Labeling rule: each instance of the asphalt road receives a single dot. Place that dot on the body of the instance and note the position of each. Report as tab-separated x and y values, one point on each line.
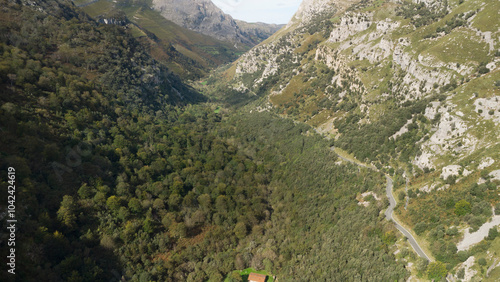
388	215
390	210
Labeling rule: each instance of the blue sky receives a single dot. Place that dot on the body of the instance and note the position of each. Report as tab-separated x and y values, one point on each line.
267	11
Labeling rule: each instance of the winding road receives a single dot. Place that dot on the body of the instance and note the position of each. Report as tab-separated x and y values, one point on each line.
389	215
390	210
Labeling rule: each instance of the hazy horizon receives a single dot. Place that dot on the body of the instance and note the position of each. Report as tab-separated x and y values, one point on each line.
266	11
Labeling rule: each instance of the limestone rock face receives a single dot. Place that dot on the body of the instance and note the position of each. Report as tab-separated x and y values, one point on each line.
205	17
309	9
356	61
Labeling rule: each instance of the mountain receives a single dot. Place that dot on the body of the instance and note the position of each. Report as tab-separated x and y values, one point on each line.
191	37
205	17
409	86
258	32
188	54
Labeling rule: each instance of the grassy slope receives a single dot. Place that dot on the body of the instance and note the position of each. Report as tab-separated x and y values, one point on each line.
206	52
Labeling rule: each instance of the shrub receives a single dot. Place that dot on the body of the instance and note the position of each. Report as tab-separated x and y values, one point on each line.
463	255
483	70
452	231
420	228
462	207
436	270
493	233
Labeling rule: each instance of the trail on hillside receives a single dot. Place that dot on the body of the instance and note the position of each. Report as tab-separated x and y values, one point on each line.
476	237
390	210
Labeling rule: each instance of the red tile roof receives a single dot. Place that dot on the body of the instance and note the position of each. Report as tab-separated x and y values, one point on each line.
255	277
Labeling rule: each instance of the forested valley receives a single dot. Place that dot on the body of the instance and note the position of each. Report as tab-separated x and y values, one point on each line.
126	173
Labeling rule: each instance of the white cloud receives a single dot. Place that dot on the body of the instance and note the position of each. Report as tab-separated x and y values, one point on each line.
268	11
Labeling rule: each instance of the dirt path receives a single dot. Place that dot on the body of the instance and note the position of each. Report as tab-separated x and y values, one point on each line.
476	237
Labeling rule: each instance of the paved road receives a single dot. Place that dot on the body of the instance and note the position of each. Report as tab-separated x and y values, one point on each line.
390	210
388	215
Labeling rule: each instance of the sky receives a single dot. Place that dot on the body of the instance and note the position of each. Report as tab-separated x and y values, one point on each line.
266	11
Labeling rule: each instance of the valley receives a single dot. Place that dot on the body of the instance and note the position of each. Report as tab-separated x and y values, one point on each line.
167	141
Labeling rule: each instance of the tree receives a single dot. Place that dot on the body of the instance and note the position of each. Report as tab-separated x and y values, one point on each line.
240	230
436	270
462	207
66	213
205	202
113	203
135	205
493	233
85	191
422	264
401	195
235	277
178	230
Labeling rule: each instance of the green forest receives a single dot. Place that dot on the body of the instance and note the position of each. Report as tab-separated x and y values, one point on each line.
124	172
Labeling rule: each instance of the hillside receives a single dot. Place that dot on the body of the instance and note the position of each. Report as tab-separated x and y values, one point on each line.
412	88
188	54
190	38
258	32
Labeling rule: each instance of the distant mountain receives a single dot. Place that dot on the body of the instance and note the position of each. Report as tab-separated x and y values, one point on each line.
258	31
205	17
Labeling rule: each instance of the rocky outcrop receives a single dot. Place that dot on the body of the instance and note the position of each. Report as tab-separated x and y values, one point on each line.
310	9
113	21
488	108
350	24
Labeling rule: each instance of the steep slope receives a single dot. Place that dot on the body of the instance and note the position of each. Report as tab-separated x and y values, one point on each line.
189	54
205	17
411	87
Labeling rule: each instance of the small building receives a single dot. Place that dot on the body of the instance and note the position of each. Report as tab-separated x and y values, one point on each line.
255	277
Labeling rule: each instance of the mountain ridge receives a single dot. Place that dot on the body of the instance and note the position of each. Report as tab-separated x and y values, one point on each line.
205	17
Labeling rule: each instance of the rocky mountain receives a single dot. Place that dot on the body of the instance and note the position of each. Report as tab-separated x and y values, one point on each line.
205	17
192	37
412	87
189	54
